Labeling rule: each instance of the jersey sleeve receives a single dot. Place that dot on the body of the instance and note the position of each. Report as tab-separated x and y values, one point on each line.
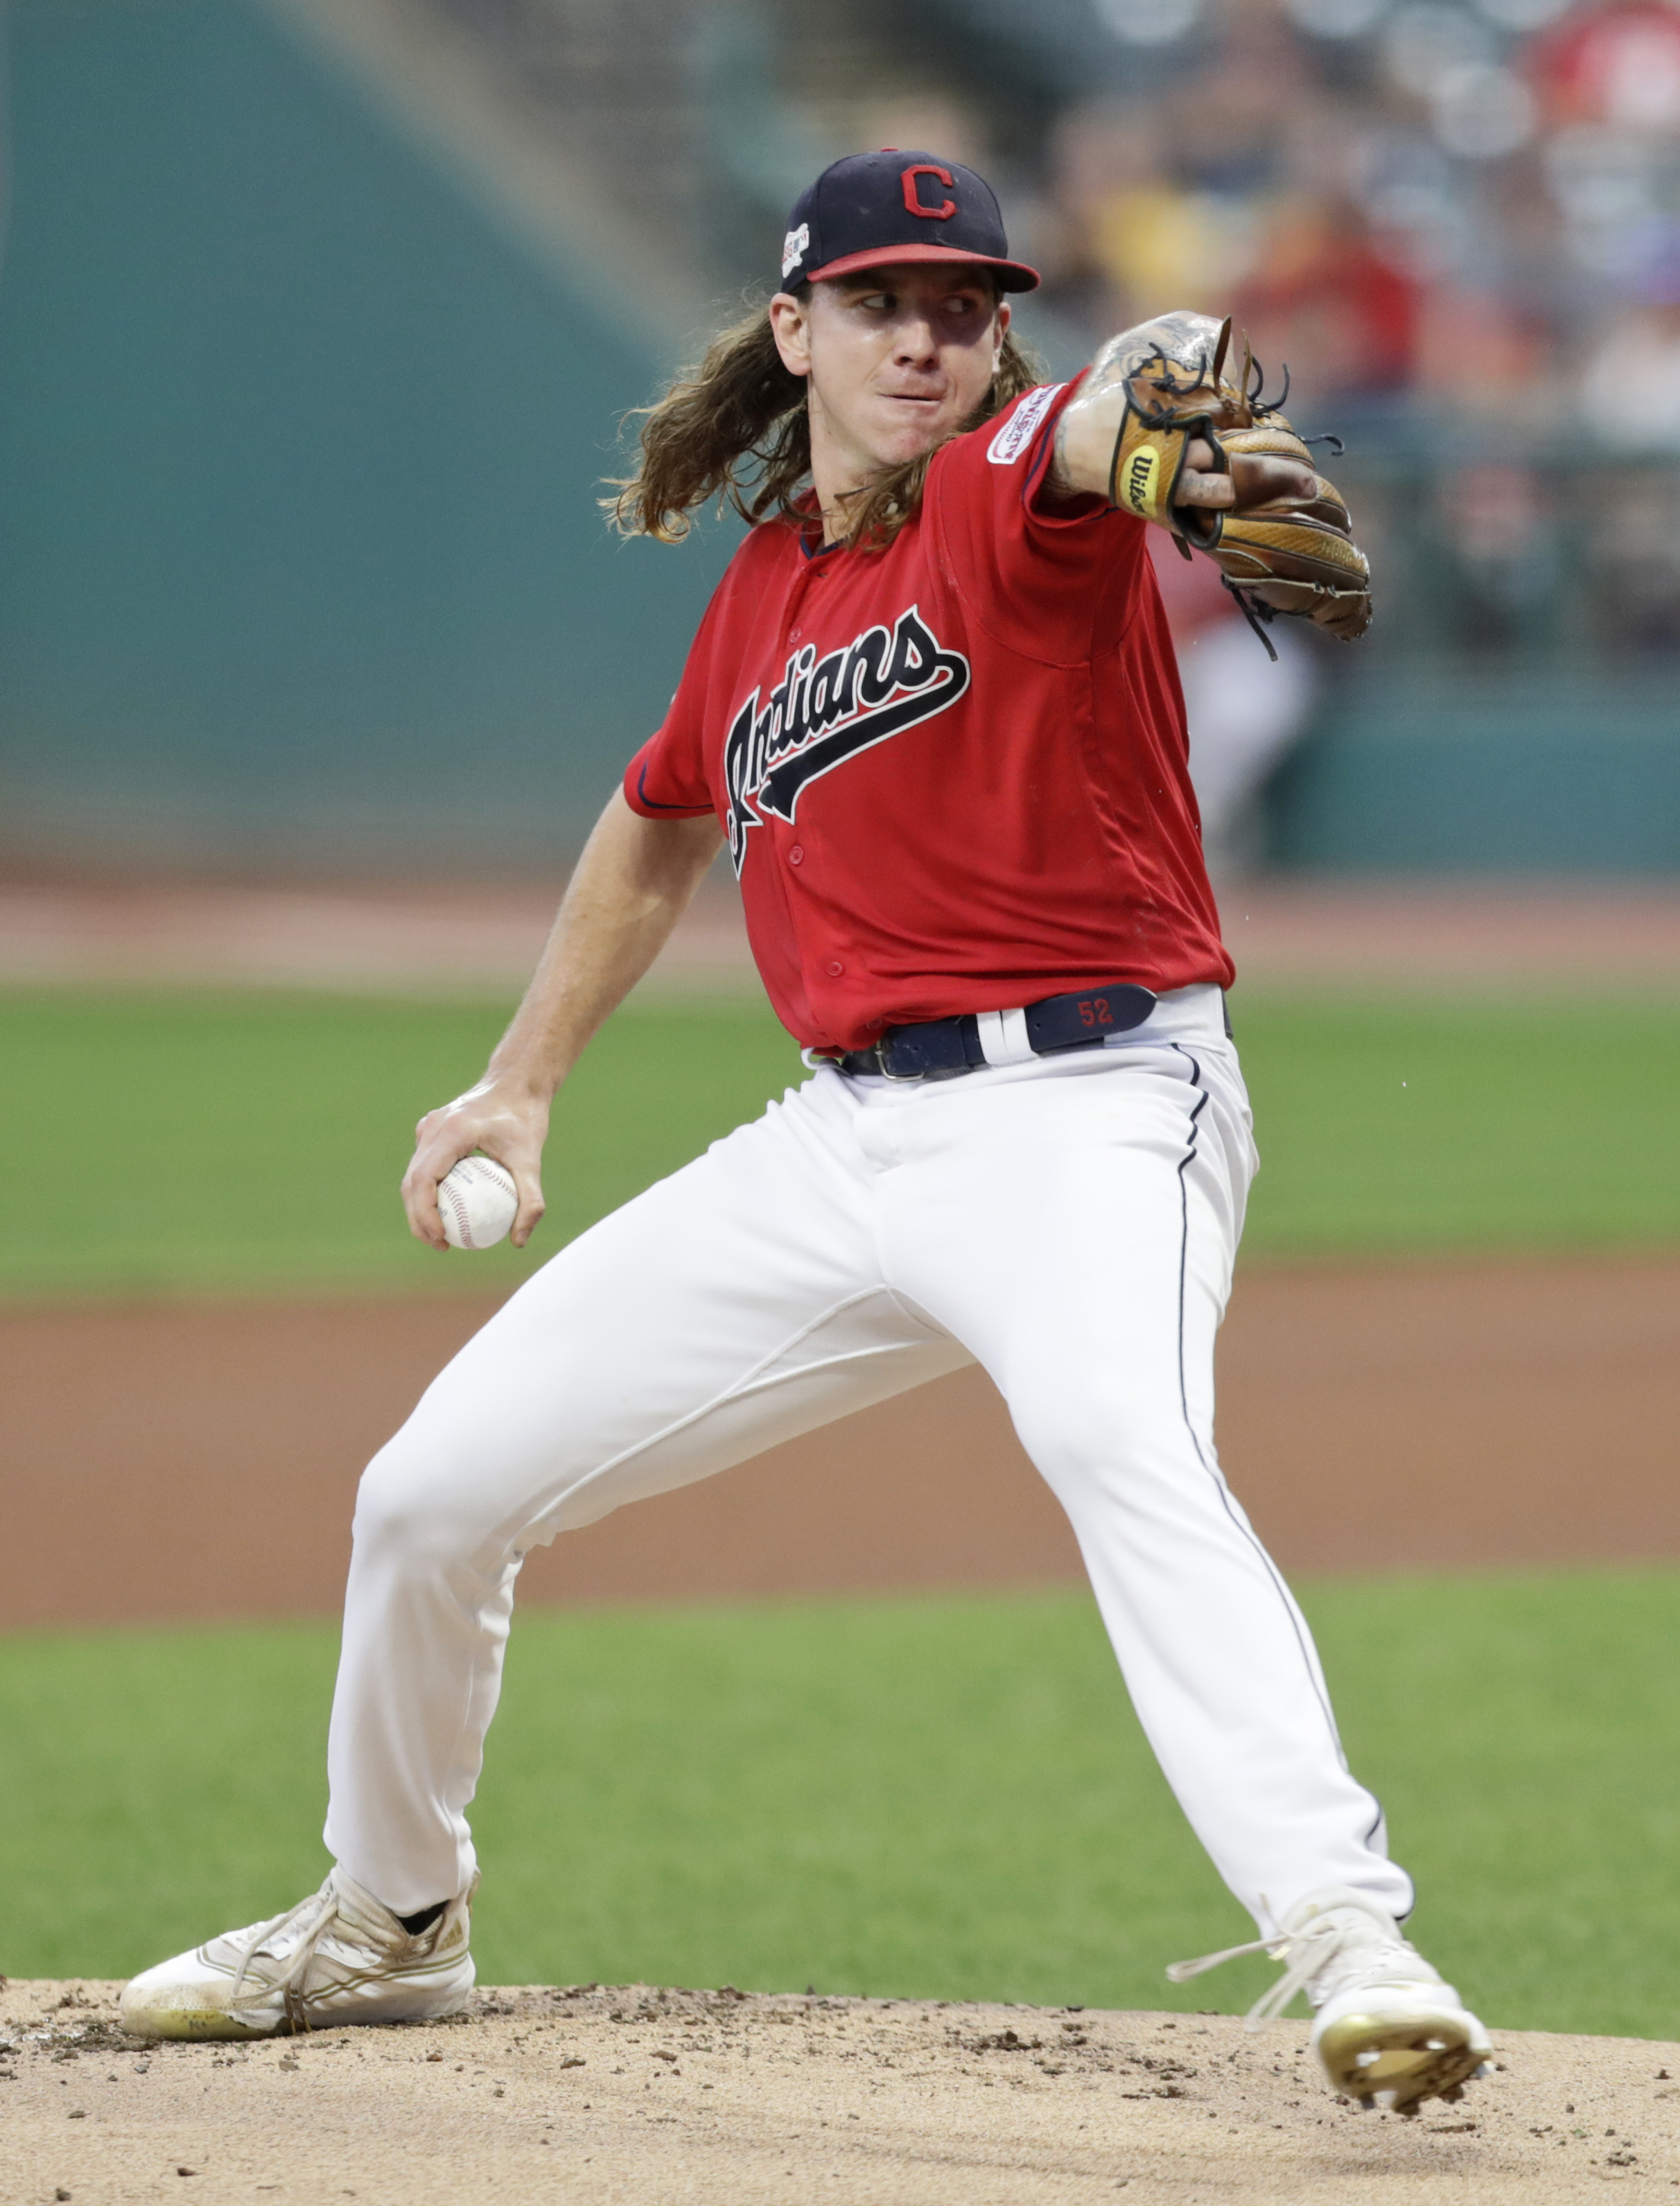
1045	574
667	779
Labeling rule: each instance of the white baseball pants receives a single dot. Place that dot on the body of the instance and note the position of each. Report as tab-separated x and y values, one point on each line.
1070	1223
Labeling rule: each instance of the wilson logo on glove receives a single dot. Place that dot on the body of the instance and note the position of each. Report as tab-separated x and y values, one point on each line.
1142	470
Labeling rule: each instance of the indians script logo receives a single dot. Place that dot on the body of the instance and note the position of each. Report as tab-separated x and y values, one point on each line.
823	711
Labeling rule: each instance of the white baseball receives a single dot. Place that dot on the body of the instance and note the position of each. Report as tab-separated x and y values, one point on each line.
477	1202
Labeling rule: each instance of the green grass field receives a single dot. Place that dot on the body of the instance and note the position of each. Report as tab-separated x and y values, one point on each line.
190	1141
187	1141
939	1797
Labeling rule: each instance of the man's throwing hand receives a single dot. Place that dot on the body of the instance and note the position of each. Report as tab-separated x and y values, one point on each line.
504	1119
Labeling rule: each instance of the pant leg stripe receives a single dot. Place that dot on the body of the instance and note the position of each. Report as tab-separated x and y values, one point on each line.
1270	1567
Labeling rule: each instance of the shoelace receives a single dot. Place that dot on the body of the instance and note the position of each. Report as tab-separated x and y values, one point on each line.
289	1984
1308	1950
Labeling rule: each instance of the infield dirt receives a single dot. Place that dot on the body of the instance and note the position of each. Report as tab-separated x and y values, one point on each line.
636	2095
172	1462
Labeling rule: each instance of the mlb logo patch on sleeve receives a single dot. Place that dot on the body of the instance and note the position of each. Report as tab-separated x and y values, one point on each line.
1017	432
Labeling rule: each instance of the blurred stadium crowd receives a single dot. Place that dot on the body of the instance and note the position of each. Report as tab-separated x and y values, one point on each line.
1457	221
1461	229
278	272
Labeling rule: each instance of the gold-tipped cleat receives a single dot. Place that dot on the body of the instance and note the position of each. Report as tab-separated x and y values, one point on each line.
1387	2032
1397	2060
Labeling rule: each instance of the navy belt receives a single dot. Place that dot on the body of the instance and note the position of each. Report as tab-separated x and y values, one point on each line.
940	1049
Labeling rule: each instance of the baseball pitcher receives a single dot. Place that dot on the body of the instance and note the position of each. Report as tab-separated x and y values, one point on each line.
933	710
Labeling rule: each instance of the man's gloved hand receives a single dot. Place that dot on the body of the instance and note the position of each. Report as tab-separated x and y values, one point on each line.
1208	459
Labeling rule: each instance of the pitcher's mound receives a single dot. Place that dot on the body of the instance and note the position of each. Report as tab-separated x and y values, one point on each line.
639	2096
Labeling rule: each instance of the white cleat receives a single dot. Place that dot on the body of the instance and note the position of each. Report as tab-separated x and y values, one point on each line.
337	1957
1387	2030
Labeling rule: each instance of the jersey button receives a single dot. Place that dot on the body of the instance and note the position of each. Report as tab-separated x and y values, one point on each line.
797	855
834	968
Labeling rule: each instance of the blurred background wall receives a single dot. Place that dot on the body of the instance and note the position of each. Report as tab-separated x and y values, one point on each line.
318	319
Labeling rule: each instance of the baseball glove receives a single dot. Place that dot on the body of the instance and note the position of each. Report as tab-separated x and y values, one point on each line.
1286	556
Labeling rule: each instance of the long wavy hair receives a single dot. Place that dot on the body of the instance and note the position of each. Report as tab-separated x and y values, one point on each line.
735	430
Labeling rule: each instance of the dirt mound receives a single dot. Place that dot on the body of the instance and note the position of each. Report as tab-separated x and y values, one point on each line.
636	2095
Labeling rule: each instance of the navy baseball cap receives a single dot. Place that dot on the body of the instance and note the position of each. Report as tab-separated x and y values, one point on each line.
873	209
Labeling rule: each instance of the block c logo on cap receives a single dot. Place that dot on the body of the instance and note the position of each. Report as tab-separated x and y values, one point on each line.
912	199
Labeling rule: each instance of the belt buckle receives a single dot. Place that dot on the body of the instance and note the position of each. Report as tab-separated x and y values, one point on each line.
856	1062
899	1079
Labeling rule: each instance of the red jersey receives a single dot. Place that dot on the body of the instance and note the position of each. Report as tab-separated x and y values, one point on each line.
953	772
